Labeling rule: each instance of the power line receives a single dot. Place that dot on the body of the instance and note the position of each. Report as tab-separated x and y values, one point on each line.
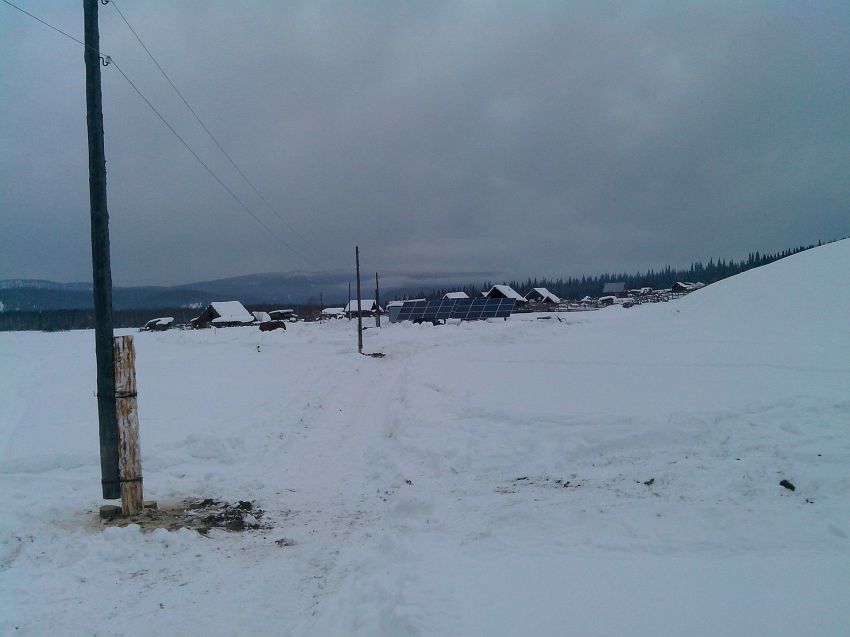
210	171
67	35
108	60
207	130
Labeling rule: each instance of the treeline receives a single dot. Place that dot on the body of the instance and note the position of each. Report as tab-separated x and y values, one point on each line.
579	287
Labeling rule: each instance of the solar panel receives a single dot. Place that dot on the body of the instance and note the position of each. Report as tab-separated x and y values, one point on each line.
443	309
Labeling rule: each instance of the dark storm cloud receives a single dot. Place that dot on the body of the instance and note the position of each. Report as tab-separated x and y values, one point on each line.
525	138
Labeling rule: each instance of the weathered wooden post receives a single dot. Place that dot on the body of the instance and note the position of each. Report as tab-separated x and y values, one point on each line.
377	302
359	307
129	449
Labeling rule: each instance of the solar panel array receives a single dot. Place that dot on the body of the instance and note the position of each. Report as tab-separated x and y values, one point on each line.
443	309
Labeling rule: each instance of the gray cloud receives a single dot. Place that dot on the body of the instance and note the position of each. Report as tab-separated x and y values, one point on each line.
524	138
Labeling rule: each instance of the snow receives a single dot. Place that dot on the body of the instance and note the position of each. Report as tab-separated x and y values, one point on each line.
608	473
455	295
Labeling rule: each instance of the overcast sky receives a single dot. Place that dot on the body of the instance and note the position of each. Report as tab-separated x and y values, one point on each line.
524	138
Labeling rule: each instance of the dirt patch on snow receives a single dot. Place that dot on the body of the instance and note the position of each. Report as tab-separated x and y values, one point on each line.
199	515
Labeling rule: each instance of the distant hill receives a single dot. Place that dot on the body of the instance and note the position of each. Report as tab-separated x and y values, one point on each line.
294	288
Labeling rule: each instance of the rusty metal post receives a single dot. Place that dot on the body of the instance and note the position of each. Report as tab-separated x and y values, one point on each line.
129	449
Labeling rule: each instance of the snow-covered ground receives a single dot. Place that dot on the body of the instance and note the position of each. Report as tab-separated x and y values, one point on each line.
601	473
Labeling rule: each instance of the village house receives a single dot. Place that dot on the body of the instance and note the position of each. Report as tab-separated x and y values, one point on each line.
223	314
542	296
617	288
368	307
283	315
455	295
504	292
683	288
159	324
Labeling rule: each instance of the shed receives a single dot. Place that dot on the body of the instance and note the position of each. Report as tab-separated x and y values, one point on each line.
223	314
333	312
455	295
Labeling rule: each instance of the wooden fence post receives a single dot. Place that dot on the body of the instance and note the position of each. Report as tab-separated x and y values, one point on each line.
129	450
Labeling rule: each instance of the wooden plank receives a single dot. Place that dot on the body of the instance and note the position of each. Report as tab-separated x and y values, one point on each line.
129	449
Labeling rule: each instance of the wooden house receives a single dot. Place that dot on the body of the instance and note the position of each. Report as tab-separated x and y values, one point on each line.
542	296
223	314
368	307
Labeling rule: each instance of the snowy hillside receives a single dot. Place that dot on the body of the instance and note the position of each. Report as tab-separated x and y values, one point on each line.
601	473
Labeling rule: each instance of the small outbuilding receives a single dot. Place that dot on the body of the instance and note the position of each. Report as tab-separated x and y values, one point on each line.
223	314
261	317
455	295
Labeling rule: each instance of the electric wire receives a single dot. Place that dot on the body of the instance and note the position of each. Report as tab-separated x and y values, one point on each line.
37	19
208	131
244	206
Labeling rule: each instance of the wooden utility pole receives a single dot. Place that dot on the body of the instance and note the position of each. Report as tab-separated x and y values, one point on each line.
349	301
101	270
359	307
377	302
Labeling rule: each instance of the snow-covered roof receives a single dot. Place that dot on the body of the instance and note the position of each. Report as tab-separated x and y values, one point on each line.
506	291
545	295
261	316
333	311
368	305
231	312
689	285
586	299
455	295
162	320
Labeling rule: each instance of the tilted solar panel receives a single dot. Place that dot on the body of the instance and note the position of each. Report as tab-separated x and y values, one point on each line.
444	309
